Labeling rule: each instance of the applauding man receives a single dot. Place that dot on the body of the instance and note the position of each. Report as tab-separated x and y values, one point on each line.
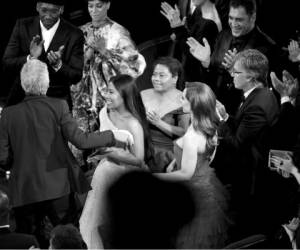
51	39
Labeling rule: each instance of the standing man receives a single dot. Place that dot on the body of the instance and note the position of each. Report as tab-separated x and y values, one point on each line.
242	34
245	142
34	137
51	39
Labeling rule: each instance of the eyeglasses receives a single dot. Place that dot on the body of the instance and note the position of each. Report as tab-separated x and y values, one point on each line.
234	73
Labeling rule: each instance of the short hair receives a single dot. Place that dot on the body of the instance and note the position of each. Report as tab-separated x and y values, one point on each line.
173	65
248	5
35	77
104	1
66	237
256	63
4	206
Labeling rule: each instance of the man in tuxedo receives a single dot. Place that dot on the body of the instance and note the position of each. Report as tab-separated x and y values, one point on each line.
52	40
9	239
34	137
244	147
243	33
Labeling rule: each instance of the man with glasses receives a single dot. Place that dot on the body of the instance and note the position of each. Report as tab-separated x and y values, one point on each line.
51	39
241	34
245	141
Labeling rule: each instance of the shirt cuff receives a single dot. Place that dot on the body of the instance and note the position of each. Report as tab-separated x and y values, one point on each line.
285	99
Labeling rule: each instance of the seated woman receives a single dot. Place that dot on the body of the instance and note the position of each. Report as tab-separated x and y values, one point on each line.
164	110
193	154
108	50
124	114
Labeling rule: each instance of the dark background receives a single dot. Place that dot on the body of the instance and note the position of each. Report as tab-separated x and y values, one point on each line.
279	19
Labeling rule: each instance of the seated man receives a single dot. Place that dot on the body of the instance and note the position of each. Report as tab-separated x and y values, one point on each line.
34	137
9	239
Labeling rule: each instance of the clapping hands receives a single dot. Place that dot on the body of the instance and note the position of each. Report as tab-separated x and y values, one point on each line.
172	14
229	58
54	57
287	87
153	117
36	46
294	51
202	53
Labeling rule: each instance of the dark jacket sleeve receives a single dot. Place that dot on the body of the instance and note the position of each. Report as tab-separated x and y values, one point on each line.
80	139
5	148
252	122
71	70
12	58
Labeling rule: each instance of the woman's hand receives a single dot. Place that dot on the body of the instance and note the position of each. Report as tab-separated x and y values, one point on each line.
293	224
153	117
172	14
171	166
202	53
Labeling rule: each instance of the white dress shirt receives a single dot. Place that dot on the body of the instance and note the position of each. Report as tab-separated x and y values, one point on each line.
48	35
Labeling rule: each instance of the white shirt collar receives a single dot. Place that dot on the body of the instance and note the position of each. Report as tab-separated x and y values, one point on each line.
48	34
5	226
248	92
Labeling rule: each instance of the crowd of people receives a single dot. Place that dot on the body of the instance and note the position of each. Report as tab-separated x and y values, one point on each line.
207	156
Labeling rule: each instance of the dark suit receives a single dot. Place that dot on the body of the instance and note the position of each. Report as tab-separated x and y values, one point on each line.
18	49
219	77
244	147
34	137
10	240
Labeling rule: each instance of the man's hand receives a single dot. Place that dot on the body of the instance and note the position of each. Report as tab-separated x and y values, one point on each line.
36	46
54	57
229	58
172	14
294	51
288	87
202	53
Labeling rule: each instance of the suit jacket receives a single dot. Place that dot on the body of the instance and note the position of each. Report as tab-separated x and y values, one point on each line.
34	137
246	139
10	240
220	79
18	49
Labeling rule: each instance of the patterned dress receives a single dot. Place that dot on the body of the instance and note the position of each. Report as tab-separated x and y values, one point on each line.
115	53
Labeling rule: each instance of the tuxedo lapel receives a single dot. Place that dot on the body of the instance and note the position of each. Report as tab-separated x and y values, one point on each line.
246	103
59	37
35	28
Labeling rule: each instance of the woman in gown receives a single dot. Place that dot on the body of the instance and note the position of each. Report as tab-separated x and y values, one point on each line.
124	114
193	154
108	51
164	110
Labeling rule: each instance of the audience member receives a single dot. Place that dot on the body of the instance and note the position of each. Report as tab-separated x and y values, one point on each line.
125	115
147	213
164	110
9	239
242	34
245	143
193	155
51	39
66	237
33	145
108	50
196	26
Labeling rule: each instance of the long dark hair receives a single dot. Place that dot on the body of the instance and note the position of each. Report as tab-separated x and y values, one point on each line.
127	88
203	106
